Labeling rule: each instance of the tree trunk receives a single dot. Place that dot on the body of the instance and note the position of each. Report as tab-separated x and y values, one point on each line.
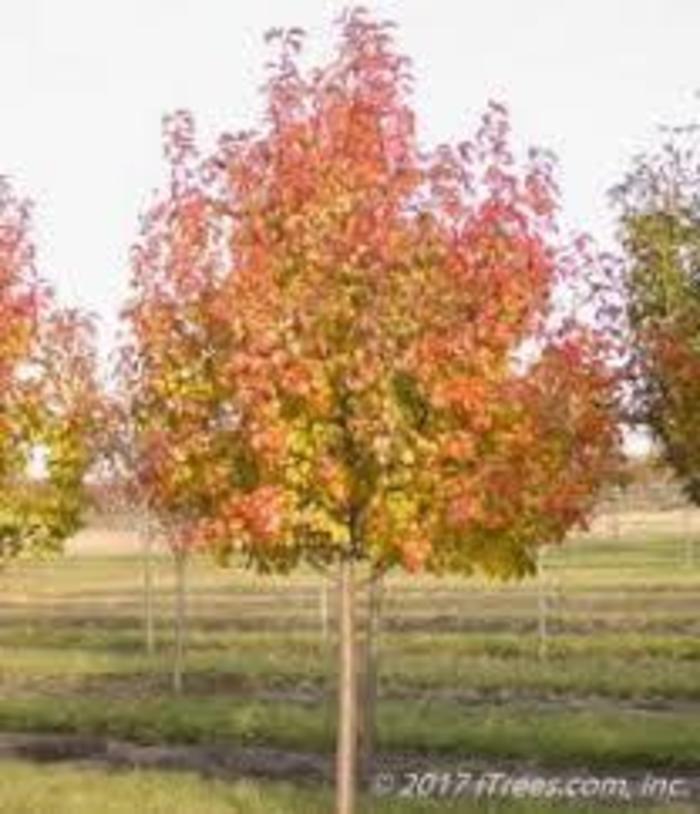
330	653
323	611
370	681
148	620
180	561
346	755
542	608
689	541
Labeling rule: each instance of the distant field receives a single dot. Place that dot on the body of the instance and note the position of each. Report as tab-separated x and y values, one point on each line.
462	673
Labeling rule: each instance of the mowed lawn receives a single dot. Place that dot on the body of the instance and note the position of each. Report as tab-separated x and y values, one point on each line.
462	672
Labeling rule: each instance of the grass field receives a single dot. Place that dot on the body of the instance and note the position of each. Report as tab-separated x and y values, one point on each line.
462	677
62	790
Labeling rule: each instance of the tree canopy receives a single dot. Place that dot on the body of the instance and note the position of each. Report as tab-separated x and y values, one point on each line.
659	207
49	396
345	345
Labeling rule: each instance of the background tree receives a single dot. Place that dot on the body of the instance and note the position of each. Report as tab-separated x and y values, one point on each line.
175	443
659	208
49	398
358	354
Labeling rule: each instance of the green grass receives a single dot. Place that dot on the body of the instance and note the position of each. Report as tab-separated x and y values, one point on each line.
634	666
27	789
459	667
550	737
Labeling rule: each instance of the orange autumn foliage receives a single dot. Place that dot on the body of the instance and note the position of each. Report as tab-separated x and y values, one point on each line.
346	345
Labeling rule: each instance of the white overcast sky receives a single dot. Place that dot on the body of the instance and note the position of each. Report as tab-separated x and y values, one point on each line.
84	84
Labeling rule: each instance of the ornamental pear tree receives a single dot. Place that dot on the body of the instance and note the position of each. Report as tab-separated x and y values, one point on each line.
176	449
357	353
659	209
49	398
